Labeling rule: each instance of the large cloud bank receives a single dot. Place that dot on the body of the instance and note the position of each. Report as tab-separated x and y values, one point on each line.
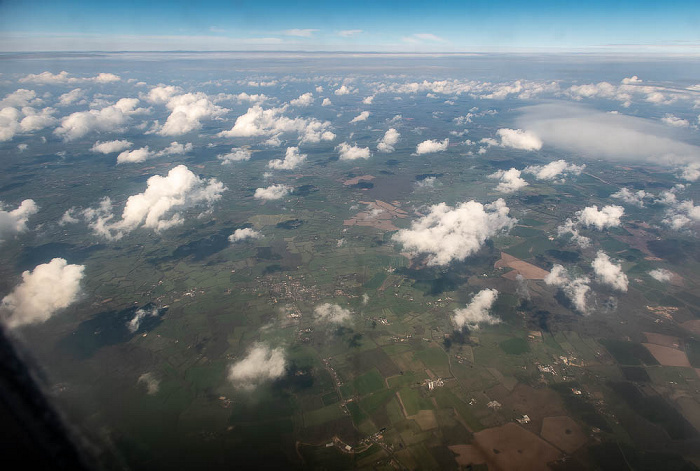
159	207
446	234
44	291
261	364
576	128
477	311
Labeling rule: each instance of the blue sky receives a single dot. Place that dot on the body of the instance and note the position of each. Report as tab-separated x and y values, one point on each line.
464	26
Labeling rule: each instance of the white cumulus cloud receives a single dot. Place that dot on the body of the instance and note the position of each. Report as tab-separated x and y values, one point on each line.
360	117
43	291
292	160
110	147
608	273
159	207
304	100
271	122
390	139
661	274
554	170
350	152
332	313
187	111
273	192
15	221
261	364
477	311
519	139
576	290
510	180
108	119
236	155
243	234
607	216
446	234
430	146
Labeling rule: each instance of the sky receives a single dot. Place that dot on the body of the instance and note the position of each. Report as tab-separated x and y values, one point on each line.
382	26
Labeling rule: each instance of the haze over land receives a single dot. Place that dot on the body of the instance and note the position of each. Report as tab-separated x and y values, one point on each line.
335	260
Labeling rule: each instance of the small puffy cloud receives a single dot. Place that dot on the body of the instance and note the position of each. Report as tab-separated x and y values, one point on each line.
332	313
446	234
152	384
273	192
349	32
304	100
43	291
360	117
635	198
631	80
517	139
109	119
608	216
387	143
186	113
161	94
428	182
681	214
261	364
430	146
175	148
675	121
510	180
24	120
554	170
691	172
326	102
608	273
243	234
292	160
576	290
344	90
159	207
134	156
368	100
301	33
110	147
15	221
236	155
477	311
271	122
144	153
661	274
350	152
20	98
140	314
71	97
